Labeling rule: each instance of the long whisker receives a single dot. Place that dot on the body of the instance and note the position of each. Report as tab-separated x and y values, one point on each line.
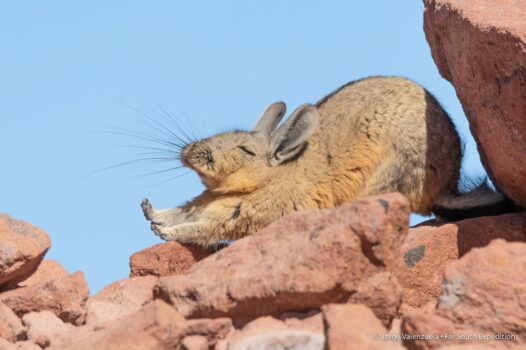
157	172
159	127
170	119
165	181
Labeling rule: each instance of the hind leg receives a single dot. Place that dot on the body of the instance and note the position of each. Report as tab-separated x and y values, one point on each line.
189	232
406	176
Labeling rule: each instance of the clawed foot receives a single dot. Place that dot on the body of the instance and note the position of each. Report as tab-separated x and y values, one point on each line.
172	224
147	209
159	217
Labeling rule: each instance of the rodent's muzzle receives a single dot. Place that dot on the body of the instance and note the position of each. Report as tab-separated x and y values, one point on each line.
197	156
185	153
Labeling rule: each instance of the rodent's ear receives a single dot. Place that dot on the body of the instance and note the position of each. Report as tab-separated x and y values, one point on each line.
289	139
270	118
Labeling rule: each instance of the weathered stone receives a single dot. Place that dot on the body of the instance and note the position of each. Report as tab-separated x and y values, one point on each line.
270	333
45	326
354	326
382	294
156	326
300	262
481	347
429	247
480	47
166	259
65	296
195	342
47	270
212	329
22	248
21	345
312	321
26	345
6	345
120	299
482	293
11	327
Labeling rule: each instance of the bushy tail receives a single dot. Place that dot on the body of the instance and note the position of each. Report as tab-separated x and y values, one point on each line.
476	199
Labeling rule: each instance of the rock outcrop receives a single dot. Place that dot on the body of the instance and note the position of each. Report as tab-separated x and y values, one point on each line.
352	277
483	297
270	333
431	246
301	262
166	259
354	326
11	327
120	299
480	47
65	296
22	248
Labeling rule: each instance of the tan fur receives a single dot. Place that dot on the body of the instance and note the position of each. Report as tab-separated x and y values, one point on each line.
376	135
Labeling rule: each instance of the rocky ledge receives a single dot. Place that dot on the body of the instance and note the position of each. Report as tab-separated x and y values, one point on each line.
352	277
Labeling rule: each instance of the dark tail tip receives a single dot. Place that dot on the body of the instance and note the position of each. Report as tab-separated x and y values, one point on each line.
457	214
481	200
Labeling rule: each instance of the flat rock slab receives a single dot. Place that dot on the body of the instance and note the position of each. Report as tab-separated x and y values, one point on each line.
300	262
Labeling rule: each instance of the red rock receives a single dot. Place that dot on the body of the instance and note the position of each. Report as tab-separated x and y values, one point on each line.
195	342
481	49
47	270
21	345
120	299
479	347
22	248
395	332
65	296
6	345
482	293
382	294
45	326
212	329
42	341
156	326
300	262
312	321
166	259
11	327
354	326
429	247
270	333
26	345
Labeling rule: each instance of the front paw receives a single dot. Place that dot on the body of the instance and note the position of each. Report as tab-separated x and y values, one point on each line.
147	209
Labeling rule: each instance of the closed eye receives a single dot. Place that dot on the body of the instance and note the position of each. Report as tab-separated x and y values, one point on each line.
246	150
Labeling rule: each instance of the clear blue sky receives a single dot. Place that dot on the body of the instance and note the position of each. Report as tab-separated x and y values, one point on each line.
71	70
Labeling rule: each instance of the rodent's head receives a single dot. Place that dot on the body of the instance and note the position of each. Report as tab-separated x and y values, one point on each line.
238	161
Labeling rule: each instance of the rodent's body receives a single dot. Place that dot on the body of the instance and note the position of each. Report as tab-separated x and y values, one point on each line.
375	135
